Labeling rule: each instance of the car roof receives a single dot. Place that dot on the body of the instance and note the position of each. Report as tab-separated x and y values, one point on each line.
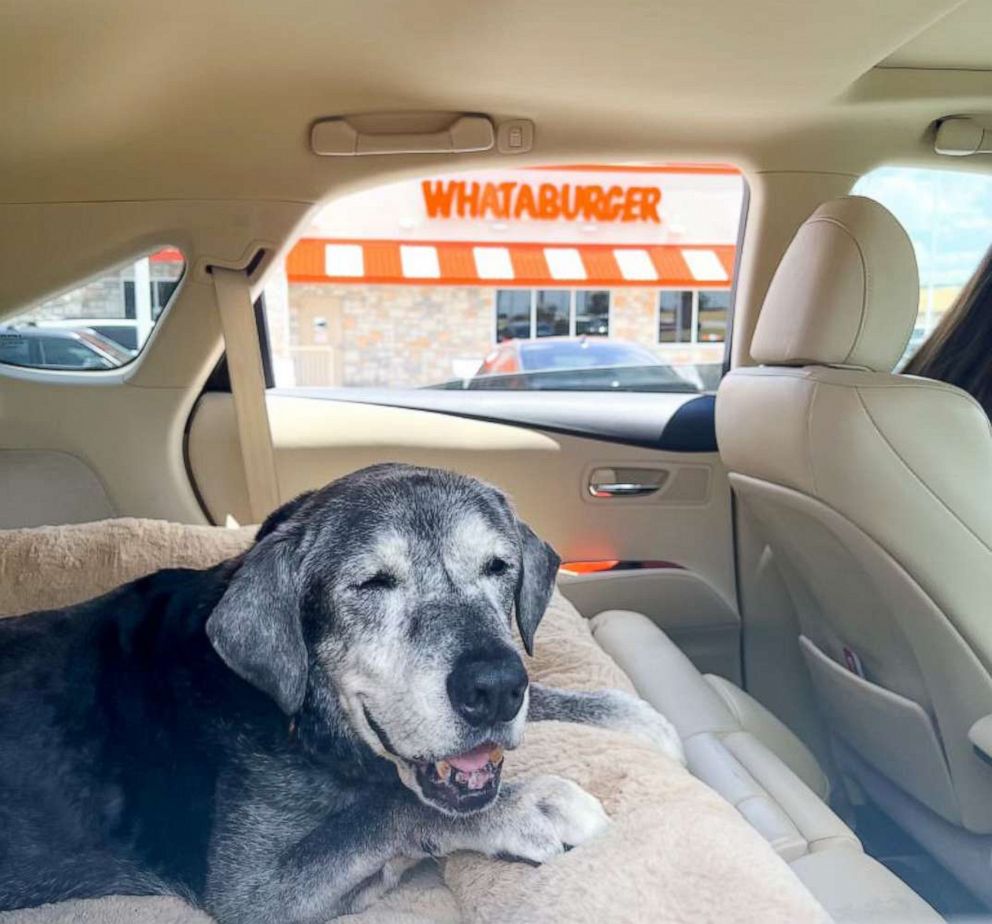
103	159
681	77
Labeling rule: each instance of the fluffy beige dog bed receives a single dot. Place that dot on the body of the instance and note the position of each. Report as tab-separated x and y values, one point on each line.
676	852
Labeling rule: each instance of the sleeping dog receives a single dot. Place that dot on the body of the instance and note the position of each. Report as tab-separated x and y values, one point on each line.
279	737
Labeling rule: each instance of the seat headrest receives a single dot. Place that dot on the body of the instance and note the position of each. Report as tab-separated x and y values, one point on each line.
845	294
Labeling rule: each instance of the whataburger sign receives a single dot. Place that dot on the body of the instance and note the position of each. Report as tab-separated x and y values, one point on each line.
515	200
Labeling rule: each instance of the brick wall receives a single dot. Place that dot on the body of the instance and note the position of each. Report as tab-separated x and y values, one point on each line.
400	336
412	336
102	297
634	315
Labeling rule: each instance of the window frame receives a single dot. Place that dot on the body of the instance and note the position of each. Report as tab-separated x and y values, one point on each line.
81	375
926	240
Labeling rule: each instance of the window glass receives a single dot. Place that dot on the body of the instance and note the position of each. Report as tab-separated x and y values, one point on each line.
948	216
513	314
592	314
15	348
711	326
101	324
503	278
553	313
675	317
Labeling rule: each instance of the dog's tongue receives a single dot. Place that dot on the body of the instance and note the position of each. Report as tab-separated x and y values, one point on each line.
475	759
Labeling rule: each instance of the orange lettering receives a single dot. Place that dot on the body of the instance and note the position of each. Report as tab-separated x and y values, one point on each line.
505	191
548	202
631	203
569	209
614	203
437	198
525	203
594	204
490	202
467	200
649	205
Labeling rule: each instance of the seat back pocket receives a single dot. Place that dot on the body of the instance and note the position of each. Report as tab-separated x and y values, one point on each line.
893	733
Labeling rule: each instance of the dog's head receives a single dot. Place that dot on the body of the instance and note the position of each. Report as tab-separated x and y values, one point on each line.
388	597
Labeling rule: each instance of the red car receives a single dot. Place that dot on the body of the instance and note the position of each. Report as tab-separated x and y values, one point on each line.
576	364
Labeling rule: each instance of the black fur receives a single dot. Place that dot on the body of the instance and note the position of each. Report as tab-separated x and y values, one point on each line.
183	734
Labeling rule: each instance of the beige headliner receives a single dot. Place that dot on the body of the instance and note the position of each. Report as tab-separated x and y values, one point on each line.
211	100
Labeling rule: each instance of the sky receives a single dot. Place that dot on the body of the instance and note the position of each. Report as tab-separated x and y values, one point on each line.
947	213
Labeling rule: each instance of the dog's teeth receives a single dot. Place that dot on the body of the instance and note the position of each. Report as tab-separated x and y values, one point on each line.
495	755
443	769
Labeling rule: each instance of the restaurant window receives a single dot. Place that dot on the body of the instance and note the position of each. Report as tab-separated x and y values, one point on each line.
525	314
552	314
698	317
513	314
711	326
592	314
583	277
99	325
675	317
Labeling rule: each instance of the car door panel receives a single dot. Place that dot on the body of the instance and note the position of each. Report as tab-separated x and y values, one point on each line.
685	524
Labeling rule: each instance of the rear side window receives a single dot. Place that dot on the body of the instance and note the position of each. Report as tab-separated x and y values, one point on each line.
948	216
560	278
99	325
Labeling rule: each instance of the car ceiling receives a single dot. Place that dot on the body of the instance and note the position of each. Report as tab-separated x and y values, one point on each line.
117	99
187	123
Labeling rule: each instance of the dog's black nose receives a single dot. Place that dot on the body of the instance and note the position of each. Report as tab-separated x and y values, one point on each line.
486	687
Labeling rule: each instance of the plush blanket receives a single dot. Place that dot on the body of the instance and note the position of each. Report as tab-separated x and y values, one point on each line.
675	852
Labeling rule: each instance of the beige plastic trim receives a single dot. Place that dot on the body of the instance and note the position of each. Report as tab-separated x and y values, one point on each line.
354	136
962	137
244	363
980	735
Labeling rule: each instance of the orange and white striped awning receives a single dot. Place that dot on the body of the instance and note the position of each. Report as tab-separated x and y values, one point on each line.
545	265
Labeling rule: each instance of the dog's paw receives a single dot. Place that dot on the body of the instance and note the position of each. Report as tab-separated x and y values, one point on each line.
640	718
544	816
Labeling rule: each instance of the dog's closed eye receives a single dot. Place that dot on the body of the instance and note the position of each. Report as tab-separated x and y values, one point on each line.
495	567
381	580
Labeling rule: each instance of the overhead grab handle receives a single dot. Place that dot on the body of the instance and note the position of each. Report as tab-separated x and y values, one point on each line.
402	133
961	137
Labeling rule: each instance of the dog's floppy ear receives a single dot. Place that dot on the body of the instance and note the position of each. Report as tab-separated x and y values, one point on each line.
538	567
256	628
281	514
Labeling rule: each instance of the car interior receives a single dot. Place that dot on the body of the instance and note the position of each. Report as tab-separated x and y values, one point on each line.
784	543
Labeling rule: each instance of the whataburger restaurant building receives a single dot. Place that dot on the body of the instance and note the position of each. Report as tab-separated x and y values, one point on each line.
413	283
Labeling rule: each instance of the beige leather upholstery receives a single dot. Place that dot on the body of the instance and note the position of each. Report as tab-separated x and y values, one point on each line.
874	491
780	792
855	889
842	292
743	752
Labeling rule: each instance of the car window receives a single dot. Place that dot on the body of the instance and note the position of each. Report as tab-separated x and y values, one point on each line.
536	278
948	216
14	348
67	353
101	324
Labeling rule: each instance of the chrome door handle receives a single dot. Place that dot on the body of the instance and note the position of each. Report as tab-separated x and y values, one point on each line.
621	489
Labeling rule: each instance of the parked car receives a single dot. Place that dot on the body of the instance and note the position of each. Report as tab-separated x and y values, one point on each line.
121	331
53	348
574	364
